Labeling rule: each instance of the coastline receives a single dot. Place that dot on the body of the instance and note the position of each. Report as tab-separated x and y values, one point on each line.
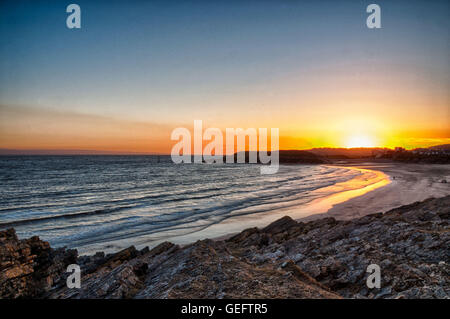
324	258
379	187
409	183
320	256
308	201
343	192
327	198
395	185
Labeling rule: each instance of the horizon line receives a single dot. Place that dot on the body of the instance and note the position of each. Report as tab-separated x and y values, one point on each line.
7	151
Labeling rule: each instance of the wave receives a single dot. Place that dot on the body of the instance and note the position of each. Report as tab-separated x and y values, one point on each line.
160	200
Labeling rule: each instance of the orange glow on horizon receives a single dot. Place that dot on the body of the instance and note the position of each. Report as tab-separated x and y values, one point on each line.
24	129
360	141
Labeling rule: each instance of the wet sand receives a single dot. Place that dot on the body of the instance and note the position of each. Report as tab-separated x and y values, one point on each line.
409	183
379	188
328	197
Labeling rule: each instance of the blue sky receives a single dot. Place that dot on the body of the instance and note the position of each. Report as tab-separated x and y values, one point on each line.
173	61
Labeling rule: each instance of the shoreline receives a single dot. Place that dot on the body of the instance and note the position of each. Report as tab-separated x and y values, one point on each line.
322	259
323	199
409	183
380	187
319	256
319	207
393	188
341	192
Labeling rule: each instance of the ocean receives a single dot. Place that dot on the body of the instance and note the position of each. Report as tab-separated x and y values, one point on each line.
106	203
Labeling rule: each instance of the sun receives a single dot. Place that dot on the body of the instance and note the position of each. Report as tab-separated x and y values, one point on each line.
359	141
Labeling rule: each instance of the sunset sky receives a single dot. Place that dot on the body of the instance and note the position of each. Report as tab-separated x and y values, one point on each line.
137	69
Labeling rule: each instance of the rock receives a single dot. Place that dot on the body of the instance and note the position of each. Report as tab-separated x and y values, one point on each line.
385	263
243	235
280	225
165	246
384	292
29	268
324	258
121	256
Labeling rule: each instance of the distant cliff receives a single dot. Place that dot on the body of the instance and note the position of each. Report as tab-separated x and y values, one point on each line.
289	157
439	154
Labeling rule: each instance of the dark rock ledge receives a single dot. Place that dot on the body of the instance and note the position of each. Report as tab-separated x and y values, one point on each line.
324	258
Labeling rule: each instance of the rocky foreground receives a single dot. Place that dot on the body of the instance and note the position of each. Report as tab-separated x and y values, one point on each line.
324	258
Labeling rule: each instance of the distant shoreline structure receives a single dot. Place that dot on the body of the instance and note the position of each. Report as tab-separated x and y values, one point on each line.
434	154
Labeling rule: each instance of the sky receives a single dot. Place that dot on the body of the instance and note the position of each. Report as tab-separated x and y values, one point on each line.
136	70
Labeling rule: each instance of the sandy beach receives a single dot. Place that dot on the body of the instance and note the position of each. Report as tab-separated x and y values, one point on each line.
315	258
409	183
380	188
